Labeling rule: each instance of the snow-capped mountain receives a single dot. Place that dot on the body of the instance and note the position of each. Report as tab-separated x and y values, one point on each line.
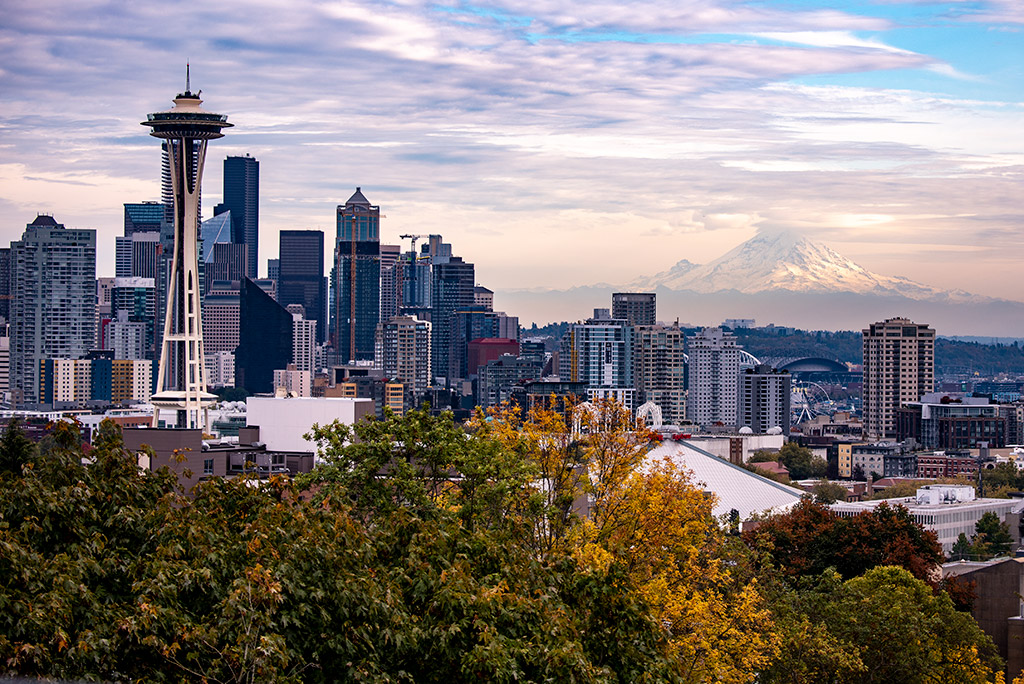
786	261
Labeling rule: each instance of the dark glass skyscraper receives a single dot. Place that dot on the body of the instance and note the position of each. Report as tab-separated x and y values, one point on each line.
356	306
453	284
300	276
242	199
264	339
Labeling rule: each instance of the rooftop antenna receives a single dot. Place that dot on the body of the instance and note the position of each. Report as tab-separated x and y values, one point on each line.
188	79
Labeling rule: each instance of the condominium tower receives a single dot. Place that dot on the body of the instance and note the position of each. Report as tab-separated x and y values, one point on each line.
899	368
53	302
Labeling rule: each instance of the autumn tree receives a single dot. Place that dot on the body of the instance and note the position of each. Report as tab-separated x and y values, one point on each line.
811	538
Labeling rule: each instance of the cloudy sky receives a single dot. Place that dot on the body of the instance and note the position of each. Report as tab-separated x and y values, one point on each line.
554	143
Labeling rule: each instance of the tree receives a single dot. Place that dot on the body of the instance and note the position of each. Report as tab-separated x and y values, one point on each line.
801	462
826	492
811	538
16	450
992	537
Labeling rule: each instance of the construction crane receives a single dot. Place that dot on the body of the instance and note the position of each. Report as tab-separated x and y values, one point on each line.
414	238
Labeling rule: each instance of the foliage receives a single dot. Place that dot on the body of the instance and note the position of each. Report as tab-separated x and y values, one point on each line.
801	462
811	538
898	490
826	492
992	537
231	393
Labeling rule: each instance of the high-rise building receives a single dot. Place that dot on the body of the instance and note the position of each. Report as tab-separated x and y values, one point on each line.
143	217
599	352
356	279
53	305
5	283
273	269
226	262
637	308
899	368
300	276
104	311
715	359
221	318
137	255
265	331
133	300
304	344
659	369
242	199
451	291
483	297
181	380
404	350
764	400
391	272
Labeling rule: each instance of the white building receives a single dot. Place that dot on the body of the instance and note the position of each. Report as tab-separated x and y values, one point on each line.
220	369
292	382
715	360
284	421
599	353
947	510
303	344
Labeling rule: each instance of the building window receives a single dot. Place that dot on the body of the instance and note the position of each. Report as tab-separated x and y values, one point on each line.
208	466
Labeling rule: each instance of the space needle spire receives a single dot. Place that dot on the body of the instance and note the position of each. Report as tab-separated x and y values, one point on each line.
181	380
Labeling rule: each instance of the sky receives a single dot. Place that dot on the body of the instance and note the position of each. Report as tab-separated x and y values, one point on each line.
553	143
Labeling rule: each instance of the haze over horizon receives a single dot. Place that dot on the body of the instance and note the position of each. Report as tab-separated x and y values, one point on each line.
565	145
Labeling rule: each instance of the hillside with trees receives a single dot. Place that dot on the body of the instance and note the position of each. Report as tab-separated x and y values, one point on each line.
516	549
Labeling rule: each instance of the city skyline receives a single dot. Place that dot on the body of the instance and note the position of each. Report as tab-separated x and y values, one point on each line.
889	129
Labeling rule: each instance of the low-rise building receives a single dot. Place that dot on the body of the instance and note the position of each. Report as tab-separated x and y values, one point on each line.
947	510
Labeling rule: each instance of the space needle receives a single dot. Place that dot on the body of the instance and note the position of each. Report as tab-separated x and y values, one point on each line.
181	380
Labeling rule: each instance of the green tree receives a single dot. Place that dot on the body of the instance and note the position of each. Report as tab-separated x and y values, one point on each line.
826	492
992	537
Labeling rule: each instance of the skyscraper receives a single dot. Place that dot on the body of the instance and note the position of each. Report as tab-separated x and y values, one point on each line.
391	272
242	199
403	352
899	368
142	217
659	369
715	358
599	352
764	399
300	275
451	291
638	308
53	305
356	278
265	334
181	381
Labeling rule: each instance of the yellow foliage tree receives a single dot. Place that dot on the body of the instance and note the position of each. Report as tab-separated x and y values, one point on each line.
611	504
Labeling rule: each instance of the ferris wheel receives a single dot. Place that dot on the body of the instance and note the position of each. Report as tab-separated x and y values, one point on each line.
809	399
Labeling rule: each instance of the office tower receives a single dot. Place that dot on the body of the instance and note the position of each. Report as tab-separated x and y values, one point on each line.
715	359
304	344
5	283
221	318
899	368
599	352
300	276
390	281
483	297
451	290
273	269
356	279
133	300
638	308
137	255
403	350
220	369
226	263
143	217
53	305
265	332
242	199
764	399
181	380
659	370
127	338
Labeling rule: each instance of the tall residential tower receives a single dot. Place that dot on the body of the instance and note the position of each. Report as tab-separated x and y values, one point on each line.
899	368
